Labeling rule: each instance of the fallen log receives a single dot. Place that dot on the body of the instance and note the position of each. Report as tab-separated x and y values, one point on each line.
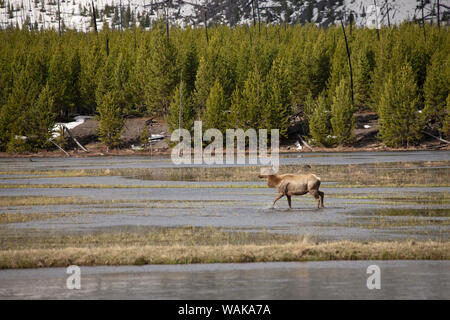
74	139
440	139
304	143
59	147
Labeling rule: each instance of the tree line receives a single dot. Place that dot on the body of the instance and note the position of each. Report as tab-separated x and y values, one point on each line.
241	77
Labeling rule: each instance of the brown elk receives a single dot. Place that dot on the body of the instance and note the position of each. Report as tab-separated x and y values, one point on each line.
294	185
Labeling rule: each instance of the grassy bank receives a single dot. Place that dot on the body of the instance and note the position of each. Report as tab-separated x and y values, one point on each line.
198	245
182	254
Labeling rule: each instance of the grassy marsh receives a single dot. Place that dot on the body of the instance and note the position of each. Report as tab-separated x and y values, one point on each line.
182	254
425	173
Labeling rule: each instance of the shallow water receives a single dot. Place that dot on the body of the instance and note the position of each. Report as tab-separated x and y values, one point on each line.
292	280
240	208
322	158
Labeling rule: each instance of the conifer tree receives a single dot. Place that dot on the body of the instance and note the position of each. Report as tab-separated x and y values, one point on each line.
40	120
446	126
105	81
144	136
247	105
436	91
59	83
163	72
138	79
111	121
342	109
339	68
91	62
276	109
319	122
187	110
363	77
216	106
399	120
190	65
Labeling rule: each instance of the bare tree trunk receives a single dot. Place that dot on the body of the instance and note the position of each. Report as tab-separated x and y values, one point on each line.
230	13
206	24
259	17
423	22
59	20
120	11
438	16
349	59
376	15
387	9
253	13
167	21
93	16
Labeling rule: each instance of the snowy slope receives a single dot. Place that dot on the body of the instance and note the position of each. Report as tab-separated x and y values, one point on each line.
76	14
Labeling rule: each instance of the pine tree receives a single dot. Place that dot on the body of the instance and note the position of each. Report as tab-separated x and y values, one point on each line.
120	84
190	66
399	120
446	126
163	72
40	120
216	106
363	77
319	122
13	115
276	109
436	90
111	121
59	83
187	110
203	82
144	136
247	105
138	80
339	68
216	62
105	81
342	109
92	60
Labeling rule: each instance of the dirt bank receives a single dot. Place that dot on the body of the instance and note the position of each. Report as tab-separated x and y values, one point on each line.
365	133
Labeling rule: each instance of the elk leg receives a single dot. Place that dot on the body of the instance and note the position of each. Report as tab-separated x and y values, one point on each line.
289	201
280	195
315	193
321	194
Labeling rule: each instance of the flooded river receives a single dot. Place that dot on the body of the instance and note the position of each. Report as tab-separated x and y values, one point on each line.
88	205
287	280
319	158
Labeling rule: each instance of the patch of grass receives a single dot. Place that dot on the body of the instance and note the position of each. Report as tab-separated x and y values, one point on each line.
405	212
428	197
187	236
381	222
7	201
183	254
124	186
6	218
